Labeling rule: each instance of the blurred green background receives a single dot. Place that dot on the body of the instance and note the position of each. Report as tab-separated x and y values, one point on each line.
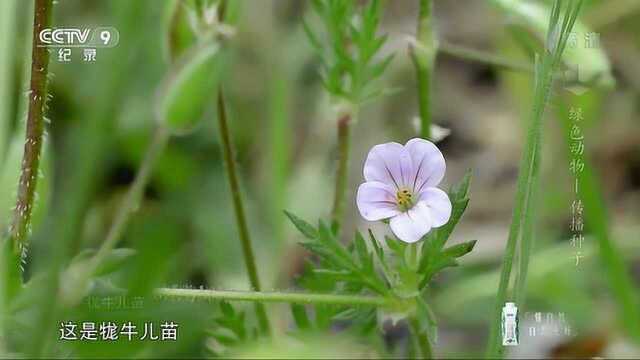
102	118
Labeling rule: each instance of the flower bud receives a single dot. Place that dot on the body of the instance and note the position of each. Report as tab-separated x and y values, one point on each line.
189	88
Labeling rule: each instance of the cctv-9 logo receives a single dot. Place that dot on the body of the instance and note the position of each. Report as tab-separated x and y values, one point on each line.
106	36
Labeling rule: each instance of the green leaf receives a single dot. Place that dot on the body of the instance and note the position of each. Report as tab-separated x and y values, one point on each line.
397	246
313	39
459	250
230	327
361	248
304	227
459	201
351	42
434	258
300	316
376	246
459	196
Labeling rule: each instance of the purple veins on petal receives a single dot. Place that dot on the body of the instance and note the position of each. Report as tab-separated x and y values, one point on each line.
401	185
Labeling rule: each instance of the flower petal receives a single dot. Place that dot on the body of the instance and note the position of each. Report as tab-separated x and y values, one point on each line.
376	201
438	203
428	163
412	225
391	164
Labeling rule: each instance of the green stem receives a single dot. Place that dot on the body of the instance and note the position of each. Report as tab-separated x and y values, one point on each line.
527	235
524	211
423	56
528	219
34	130
424	94
78	283
275	296
279	154
133	197
527	180
241	222
342	172
420	339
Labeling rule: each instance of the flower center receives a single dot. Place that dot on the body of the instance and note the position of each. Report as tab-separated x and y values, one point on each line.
405	199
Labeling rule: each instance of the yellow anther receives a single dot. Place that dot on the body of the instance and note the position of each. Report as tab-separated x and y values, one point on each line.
405	199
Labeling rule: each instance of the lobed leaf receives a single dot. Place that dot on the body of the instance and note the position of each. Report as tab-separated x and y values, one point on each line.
304	227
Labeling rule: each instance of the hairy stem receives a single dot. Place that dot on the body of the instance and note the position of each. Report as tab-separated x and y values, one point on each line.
342	172
236	197
34	131
420	339
423	56
275	296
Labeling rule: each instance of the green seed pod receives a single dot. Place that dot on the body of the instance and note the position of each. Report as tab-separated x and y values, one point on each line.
189	88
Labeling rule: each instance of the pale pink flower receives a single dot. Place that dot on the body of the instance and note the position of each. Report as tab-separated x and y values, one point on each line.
401	185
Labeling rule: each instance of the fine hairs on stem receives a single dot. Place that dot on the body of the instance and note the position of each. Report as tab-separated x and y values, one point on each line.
524	211
34	130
